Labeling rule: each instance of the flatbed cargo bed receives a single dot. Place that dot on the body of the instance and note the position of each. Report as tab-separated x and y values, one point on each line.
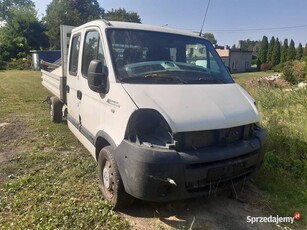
55	83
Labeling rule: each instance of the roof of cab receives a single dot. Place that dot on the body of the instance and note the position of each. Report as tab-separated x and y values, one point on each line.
136	26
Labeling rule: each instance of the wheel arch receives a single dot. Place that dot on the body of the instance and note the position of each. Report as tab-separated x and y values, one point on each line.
102	140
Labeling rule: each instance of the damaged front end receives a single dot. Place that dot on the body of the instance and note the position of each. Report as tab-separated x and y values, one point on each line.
147	127
158	165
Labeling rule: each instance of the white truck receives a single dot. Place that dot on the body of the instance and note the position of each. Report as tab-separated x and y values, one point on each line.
157	109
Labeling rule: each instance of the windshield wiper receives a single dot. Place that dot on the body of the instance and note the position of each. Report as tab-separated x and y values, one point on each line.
153	77
158	76
208	80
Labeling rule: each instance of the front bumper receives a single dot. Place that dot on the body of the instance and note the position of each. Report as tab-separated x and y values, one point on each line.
165	175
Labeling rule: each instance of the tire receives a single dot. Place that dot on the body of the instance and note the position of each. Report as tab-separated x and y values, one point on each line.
110	182
55	109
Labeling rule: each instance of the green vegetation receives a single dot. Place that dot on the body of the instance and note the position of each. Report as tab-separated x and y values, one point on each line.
210	37
275	53
262	55
122	15
50	181
284	173
22	31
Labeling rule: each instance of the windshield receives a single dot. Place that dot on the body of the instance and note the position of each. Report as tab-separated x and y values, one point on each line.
149	57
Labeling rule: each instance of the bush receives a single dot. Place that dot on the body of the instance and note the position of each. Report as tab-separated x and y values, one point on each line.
299	70
2	65
294	71
20	64
287	72
279	67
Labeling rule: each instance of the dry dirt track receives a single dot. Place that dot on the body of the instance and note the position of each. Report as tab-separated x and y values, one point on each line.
218	211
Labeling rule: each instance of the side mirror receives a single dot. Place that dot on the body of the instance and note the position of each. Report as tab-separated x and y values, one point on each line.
97	76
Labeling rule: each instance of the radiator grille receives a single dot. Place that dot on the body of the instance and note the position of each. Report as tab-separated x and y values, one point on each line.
217	137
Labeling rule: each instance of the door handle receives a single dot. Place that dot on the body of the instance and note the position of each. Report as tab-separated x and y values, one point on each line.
79	94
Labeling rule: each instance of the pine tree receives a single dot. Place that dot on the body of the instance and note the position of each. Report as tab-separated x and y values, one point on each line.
284	51
291	51
299	52
270	50
262	56
275	60
305	51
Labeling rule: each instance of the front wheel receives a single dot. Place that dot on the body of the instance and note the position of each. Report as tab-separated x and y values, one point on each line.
110	182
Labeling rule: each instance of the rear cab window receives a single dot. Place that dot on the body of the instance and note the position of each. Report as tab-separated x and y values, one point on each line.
74	55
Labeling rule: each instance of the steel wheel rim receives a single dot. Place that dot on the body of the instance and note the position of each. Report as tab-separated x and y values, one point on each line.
107	178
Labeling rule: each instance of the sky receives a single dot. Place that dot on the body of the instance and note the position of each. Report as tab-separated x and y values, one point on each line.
229	20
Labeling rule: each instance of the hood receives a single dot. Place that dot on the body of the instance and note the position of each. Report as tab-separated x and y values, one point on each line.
196	107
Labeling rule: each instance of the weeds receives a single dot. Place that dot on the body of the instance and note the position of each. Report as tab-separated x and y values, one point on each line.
284	173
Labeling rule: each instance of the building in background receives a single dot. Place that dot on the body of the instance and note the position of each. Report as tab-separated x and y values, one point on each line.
236	59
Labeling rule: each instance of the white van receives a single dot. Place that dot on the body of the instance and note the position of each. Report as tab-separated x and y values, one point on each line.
157	109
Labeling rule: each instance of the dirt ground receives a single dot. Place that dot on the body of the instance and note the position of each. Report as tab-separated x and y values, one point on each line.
217	211
11	133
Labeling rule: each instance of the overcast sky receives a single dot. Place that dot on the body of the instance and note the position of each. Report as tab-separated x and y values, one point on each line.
228	20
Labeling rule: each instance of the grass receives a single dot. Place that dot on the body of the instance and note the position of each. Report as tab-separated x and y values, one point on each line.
50	182
284	173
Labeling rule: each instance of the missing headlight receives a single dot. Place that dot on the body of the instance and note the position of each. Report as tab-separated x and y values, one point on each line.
148	127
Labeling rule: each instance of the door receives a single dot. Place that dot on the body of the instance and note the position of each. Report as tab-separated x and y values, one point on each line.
73	76
91	104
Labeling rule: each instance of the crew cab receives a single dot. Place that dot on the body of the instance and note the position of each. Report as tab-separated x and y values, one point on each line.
157	109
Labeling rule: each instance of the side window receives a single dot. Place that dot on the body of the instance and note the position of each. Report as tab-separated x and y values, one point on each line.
74	55
92	50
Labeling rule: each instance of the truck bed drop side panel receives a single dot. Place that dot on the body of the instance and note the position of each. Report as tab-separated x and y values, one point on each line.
55	84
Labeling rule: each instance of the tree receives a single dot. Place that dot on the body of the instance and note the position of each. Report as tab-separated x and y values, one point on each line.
210	37
305	51
270	50
284	51
88	10
262	56
291	51
256	48
7	5
69	12
299	52
21	33
275	60
122	15
248	44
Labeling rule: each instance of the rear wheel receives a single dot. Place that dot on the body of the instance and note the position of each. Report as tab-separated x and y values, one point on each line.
55	109
110	182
